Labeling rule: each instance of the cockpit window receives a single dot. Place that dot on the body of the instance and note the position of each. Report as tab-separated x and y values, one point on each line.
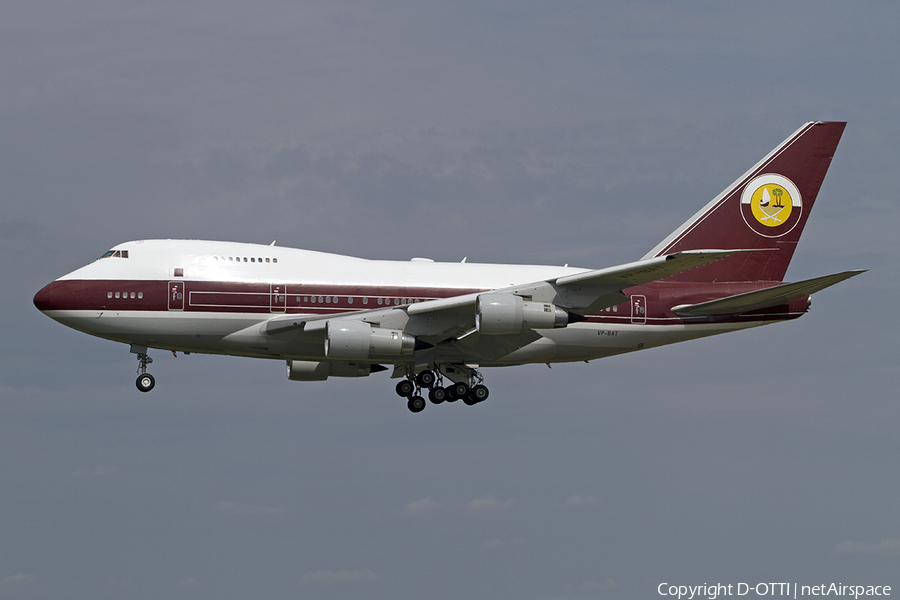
108	254
115	253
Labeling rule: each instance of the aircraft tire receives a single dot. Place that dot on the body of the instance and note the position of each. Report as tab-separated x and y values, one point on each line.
416	404
479	393
426	379
405	388
437	395
458	391
145	382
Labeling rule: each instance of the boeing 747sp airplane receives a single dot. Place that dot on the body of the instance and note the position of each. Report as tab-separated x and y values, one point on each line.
437	324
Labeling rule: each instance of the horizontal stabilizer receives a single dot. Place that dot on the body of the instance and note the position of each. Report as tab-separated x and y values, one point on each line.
773	296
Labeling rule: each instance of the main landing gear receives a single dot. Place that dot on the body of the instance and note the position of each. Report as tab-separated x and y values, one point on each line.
145	380
469	388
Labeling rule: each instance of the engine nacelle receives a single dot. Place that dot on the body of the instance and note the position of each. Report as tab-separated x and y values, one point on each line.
355	340
505	314
308	370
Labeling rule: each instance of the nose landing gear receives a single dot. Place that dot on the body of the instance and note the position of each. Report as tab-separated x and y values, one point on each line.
145	380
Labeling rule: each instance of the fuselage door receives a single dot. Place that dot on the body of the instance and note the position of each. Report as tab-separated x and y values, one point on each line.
638	309
176	295
277	296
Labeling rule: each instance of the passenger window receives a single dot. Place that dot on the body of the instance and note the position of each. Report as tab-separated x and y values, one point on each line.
109	294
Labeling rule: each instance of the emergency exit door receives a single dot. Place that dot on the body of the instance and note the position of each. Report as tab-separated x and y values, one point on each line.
176	295
638	309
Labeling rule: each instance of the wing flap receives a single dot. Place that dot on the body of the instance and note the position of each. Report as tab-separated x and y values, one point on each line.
773	296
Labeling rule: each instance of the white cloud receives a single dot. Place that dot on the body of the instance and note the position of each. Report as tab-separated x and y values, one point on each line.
233	508
580	501
887	547
487	504
421	506
344	576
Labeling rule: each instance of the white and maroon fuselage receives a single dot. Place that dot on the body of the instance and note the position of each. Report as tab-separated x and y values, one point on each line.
203	296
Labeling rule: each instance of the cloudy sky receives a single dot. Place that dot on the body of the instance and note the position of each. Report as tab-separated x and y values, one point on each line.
546	133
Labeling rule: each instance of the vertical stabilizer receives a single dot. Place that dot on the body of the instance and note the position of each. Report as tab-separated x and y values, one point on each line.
766	208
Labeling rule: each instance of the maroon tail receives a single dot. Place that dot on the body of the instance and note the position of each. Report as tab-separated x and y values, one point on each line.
766	208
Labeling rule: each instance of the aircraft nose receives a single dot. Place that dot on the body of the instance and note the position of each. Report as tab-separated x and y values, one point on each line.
48	298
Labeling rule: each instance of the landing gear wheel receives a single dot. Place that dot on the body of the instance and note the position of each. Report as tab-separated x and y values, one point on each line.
145	382
426	379
470	400
458	391
437	395
479	393
405	388
416	404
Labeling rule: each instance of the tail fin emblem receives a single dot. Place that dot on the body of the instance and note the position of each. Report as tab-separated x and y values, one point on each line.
771	205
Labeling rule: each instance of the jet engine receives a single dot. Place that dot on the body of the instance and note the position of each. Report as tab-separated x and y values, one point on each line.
504	314
355	340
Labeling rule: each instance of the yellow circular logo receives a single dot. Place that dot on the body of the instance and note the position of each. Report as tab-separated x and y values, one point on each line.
771	205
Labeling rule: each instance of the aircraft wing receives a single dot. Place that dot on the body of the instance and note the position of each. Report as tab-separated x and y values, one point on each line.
773	296
589	291
446	318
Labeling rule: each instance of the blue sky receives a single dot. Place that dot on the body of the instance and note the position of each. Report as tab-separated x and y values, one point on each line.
578	133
